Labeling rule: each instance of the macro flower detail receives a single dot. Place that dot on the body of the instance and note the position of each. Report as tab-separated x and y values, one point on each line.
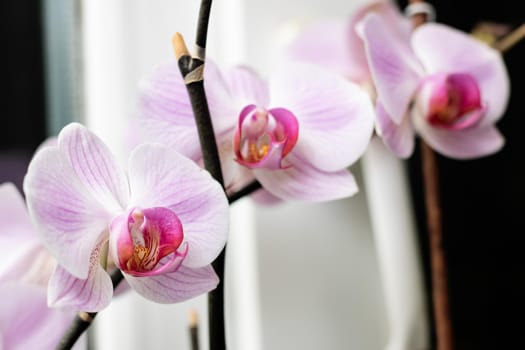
443	84
264	137
454	101
144	237
162	222
296	133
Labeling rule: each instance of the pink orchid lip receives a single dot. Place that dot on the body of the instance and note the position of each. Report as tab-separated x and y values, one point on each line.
264	137
149	241
453	101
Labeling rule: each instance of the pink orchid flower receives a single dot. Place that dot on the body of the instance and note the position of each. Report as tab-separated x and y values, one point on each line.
163	222
296	134
443	84
335	44
26	322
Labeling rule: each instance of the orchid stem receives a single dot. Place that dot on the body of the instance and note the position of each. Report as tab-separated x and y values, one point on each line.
83	320
192	70
79	325
248	189
194	329
438	265
511	39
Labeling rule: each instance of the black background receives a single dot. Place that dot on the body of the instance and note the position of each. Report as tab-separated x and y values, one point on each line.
22	96
483	207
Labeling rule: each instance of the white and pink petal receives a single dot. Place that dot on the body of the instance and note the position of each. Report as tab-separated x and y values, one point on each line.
91	294
160	177
395	69
325	43
70	219
174	287
400	139
300	181
246	87
335	116
95	166
461	144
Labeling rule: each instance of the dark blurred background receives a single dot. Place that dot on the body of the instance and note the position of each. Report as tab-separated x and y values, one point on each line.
483	207
22	86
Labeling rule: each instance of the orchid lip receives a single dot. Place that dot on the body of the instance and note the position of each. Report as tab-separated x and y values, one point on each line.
145	237
452	101
264	137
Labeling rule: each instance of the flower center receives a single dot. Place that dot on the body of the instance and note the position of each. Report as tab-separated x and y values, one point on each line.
147	241
264	137
452	101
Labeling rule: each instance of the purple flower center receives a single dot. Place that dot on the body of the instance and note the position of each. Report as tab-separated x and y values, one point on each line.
148	241
453	101
264	137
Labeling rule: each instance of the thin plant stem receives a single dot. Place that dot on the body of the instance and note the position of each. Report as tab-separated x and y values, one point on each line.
192	69
246	190
444	334
194	329
507	42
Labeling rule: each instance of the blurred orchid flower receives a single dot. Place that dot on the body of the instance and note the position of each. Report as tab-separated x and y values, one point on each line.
26	322
295	134
335	44
163	222
446	86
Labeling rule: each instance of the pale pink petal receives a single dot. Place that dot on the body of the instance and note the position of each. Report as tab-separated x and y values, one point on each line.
165	110
301	181
461	144
91	295
335	116
444	49
265	198
326	44
221	100
68	217
390	15
26	322
95	166
394	67
184	284
166	113
246	87
160	177
16	225
30	263
399	139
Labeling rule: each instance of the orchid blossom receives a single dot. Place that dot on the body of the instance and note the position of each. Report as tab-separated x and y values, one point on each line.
163	222
335	44
295	134
26	322
442	84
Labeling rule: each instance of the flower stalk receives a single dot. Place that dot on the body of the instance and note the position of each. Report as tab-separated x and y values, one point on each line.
192	70
430	172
